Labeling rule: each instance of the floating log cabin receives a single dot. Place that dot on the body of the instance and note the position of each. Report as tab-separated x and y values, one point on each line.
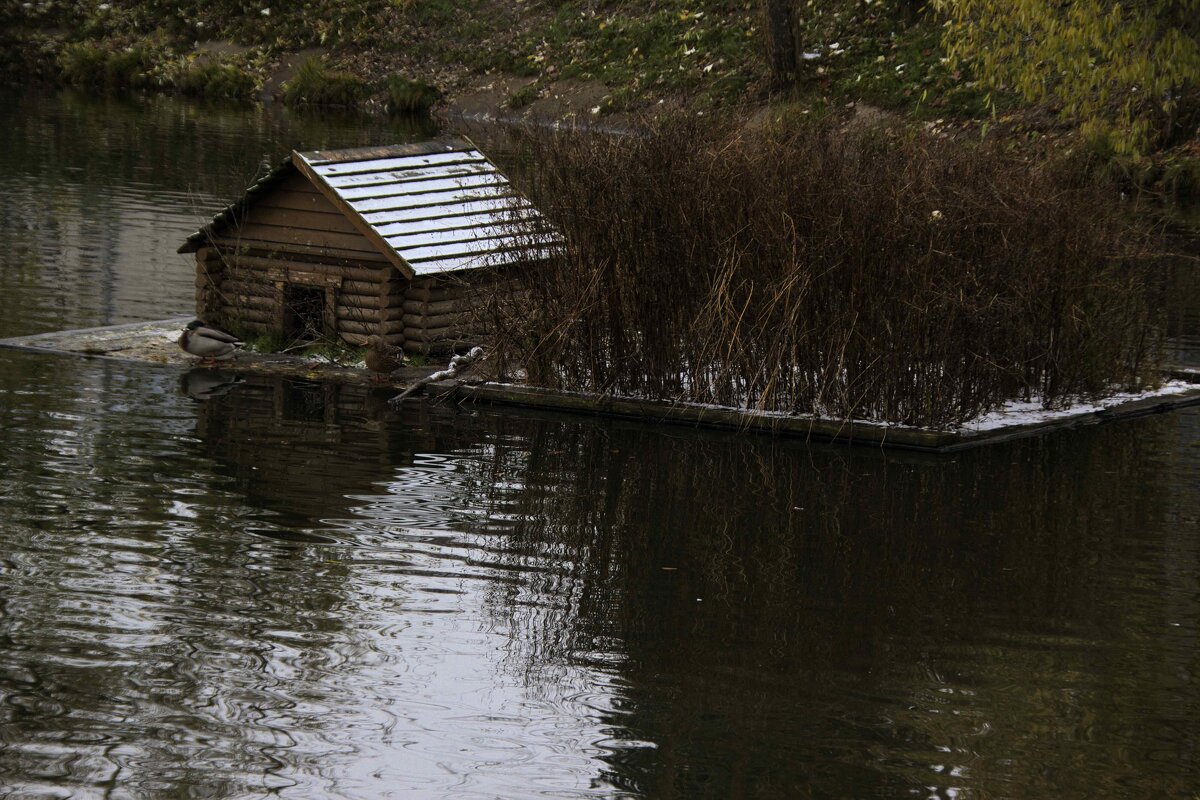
403	243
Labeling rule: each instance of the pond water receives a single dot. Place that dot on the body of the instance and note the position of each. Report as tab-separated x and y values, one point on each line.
291	590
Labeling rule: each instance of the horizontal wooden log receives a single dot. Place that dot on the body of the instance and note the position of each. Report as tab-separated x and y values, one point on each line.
207	254
454	334
251	301
370	328
459	291
209	273
307	237
296	200
463	304
436	281
331	221
304	277
373	302
370	315
362	287
363	314
244	326
425	307
355	339
364	340
245	313
437	293
361	273
244	245
260	288
428	322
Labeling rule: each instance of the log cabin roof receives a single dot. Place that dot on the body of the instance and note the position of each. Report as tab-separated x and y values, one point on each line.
431	207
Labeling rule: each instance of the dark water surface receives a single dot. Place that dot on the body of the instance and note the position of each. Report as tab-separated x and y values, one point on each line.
290	590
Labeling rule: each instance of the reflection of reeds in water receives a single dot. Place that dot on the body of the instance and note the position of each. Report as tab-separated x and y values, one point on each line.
738	595
854	275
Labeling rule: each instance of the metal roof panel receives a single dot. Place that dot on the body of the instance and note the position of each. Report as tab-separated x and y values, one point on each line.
508	205
434	199
396	188
499	259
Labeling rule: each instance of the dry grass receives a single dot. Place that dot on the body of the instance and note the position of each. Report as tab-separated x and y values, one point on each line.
878	275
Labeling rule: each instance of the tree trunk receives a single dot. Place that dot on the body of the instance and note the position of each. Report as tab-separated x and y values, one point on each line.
781	40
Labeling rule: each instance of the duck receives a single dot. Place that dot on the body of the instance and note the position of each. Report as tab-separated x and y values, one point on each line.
210	343
204	383
383	358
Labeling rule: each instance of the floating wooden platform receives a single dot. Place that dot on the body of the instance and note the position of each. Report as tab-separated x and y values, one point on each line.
155	342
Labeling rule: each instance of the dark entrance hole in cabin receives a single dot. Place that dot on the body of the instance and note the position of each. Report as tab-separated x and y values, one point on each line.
304	313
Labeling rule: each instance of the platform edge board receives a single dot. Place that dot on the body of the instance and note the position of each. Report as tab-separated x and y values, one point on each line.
809	428
110	337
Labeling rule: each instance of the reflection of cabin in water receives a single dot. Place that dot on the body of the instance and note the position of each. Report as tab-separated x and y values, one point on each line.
305	448
400	242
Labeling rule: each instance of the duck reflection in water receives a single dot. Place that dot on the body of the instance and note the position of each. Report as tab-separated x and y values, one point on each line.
205	384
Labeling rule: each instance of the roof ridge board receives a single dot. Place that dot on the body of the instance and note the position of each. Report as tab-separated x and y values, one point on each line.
456	169
400	162
454	184
349	154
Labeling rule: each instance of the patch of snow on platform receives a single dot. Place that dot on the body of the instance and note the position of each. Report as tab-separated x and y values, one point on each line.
1016	413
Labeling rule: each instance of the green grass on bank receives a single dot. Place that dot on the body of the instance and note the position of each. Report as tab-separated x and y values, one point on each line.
868	52
708	51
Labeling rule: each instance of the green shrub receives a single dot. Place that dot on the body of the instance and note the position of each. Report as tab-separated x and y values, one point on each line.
85	64
128	69
317	85
410	96
265	342
523	96
216	80
82	64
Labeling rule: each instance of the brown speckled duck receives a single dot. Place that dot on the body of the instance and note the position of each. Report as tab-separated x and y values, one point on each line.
383	359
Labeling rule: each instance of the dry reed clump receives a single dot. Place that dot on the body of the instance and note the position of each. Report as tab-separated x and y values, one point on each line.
874	276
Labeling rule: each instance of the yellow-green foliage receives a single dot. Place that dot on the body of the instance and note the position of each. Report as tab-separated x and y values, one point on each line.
1124	70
